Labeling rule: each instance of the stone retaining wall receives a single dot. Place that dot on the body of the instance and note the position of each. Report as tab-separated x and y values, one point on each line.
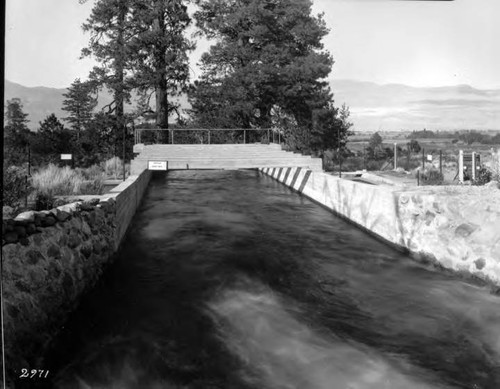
50	258
456	227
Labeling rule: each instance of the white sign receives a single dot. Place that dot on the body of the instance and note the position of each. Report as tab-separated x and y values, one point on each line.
66	157
429	157
157	165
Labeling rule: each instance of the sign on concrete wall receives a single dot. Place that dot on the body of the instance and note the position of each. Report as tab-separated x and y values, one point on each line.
157	165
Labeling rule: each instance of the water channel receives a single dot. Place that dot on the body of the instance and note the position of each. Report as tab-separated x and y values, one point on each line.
227	279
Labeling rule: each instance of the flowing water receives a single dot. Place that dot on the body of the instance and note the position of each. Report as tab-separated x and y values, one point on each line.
227	279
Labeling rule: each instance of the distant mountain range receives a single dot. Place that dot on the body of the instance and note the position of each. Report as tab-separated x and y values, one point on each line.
373	107
39	102
400	107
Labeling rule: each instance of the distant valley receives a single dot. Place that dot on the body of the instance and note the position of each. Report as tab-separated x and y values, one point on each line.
373	107
395	107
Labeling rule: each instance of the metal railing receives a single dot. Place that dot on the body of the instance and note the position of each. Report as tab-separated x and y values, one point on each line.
205	135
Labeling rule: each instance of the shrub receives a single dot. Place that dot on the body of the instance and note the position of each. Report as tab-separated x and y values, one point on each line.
431	177
483	176
43	201
15	187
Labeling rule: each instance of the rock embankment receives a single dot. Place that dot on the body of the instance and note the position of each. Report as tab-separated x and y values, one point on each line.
49	259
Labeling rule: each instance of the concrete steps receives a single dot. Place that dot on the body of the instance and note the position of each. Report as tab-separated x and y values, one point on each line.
237	156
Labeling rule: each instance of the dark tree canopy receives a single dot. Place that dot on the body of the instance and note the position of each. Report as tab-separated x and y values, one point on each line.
79	103
16	133
140	45
267	66
51	140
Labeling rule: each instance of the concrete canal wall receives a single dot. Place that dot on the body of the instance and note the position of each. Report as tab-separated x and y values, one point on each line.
50	258
455	227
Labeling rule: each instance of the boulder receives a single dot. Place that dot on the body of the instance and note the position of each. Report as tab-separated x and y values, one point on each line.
86	206
70	208
11	237
28	217
94	201
48	221
62	215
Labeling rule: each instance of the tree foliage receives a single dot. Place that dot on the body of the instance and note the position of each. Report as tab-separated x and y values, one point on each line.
79	103
375	149
51	140
267	66
16	133
415	146
160	62
140	45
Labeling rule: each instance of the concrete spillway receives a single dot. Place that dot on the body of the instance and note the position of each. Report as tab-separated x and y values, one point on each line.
220	156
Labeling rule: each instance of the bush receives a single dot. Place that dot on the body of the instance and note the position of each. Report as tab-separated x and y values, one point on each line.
43	201
431	177
483	176
15	187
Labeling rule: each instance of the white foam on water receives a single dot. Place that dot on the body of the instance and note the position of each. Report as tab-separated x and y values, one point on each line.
286	353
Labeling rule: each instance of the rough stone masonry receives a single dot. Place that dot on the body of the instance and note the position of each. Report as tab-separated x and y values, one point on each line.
49	259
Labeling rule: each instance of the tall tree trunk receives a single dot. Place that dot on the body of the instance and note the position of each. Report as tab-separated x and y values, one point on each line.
161	88
119	75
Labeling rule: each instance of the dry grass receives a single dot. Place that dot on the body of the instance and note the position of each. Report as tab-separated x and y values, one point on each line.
113	168
61	181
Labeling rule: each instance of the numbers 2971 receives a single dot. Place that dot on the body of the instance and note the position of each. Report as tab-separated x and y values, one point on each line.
34	373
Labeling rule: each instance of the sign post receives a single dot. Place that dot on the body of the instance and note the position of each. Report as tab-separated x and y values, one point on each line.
157	165
67	158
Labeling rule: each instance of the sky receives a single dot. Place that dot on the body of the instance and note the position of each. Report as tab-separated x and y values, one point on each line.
417	43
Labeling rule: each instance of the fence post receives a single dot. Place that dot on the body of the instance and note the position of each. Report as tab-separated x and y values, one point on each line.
208	136
461	166
418	177
268	136
423	159
441	162
26	191
244	136
473	173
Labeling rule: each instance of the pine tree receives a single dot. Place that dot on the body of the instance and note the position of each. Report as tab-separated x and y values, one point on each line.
268	58
79	103
140	45
107	25
51	140
161	63
16	133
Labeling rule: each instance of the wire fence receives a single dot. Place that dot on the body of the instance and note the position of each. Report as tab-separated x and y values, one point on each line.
427	166
206	136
